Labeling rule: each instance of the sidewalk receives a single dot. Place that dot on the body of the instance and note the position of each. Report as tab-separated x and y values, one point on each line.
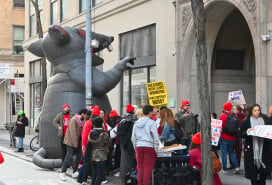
28	153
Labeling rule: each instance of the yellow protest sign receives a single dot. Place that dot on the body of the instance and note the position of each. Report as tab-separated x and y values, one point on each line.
157	94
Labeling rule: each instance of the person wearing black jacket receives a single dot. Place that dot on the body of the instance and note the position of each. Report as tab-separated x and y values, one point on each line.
257	150
21	123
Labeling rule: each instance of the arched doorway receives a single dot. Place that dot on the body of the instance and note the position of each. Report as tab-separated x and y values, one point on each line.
233	61
221	16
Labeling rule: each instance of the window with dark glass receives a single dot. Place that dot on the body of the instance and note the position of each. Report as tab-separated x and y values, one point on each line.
63	10
230	59
18	3
18	38
96	2
82	5
54	12
140	43
35	90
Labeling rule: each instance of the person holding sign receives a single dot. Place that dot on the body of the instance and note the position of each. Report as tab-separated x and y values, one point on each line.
257	150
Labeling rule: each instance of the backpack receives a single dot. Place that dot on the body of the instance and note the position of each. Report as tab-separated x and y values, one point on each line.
179	132
216	164
232	124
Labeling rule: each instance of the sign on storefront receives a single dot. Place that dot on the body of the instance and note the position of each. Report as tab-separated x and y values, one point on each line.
236	98
216	126
6	71
157	94
264	131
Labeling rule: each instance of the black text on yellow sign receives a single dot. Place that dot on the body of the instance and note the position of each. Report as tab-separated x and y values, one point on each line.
157	94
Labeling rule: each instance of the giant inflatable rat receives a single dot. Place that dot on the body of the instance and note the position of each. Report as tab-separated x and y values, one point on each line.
64	48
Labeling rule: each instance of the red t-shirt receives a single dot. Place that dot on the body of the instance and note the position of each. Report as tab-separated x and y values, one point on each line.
66	120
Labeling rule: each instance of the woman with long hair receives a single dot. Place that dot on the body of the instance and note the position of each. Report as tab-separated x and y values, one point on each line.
167	125
257	150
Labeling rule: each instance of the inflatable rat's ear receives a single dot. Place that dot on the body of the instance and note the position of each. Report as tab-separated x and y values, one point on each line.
36	48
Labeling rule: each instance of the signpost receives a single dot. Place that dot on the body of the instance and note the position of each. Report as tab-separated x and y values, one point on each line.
216	128
236	98
157	94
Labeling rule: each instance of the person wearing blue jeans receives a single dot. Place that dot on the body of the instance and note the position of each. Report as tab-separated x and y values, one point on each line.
21	142
227	148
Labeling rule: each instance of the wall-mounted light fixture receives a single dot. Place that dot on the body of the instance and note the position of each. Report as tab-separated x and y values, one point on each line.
266	37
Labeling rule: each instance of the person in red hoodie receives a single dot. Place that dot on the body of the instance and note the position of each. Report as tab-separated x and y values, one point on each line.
227	141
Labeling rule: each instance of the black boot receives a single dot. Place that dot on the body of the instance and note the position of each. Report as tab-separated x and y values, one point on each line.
20	150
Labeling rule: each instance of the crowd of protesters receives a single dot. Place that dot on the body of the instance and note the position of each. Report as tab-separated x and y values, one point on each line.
96	143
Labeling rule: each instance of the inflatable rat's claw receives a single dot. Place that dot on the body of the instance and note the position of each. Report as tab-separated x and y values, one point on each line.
131	61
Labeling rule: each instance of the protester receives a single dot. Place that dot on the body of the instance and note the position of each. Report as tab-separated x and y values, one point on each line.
85	169
138	114
195	158
257	150
189	123
61	122
167	124
21	123
227	141
114	119
145	141
237	110
124	131
100	142
72	140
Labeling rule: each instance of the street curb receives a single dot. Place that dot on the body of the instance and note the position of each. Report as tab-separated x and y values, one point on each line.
12	153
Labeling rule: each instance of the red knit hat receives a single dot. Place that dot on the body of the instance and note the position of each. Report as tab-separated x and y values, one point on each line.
91	108
130	108
227	106
65	105
96	111
270	109
196	139
184	102
113	113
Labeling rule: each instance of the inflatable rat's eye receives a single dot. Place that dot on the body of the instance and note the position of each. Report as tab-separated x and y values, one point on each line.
81	32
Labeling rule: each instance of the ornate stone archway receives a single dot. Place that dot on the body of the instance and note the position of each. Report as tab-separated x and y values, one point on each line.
216	11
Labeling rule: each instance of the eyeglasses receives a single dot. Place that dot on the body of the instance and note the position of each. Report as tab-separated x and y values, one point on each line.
187	105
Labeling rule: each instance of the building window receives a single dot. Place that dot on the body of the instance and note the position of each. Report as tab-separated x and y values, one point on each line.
142	44
96	2
82	6
35	90
54	12
19	3
64	10
18	38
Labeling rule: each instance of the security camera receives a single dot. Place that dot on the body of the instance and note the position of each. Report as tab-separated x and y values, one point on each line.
174	53
266	38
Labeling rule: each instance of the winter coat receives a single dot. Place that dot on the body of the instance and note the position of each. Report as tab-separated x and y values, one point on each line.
195	160
58	122
73	133
224	135
167	134
251	171
20	128
100	142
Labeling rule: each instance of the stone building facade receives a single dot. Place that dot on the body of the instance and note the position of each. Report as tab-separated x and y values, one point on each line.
238	58
11	59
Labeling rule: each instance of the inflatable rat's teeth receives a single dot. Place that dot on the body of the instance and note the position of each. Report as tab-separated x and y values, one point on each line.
110	48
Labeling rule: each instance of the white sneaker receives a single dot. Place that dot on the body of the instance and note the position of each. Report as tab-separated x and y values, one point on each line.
104	181
62	176
117	174
236	170
75	174
223	172
84	183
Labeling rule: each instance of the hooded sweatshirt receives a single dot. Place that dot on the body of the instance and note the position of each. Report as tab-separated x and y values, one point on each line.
145	134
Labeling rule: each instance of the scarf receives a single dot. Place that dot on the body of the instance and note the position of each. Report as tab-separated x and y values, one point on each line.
257	143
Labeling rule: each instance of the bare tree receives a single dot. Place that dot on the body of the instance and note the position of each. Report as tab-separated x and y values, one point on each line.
35	4
199	17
